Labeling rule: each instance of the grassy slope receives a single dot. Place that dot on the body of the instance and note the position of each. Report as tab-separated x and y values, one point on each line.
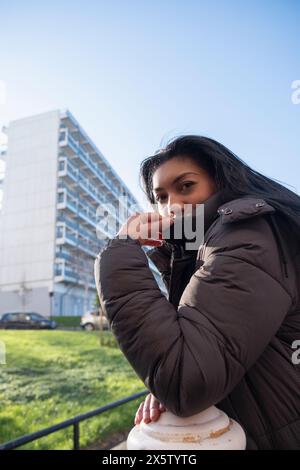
51	376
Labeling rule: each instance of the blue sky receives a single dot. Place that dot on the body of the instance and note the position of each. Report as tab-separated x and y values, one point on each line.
136	73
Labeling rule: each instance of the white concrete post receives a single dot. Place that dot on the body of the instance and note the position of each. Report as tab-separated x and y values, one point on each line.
209	430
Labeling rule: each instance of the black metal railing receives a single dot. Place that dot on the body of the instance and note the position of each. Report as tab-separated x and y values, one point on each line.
75	422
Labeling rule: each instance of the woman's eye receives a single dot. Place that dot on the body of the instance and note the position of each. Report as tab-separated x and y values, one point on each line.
160	198
187	185
183	187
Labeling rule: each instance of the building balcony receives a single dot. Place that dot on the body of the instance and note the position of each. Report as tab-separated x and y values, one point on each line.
72	148
65	273
69	200
77	239
69	123
72	175
77	228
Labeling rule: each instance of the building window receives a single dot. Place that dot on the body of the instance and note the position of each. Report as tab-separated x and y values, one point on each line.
61	165
60	231
62	136
61	197
59	268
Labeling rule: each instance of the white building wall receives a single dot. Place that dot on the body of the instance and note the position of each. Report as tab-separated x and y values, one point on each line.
27	222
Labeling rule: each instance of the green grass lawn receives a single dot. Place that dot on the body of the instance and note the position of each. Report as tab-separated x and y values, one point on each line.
51	376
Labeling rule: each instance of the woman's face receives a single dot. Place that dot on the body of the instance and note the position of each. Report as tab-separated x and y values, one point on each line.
181	181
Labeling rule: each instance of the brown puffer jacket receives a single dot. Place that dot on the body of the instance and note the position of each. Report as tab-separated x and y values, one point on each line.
225	334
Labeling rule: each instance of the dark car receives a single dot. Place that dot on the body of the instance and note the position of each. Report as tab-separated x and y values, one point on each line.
27	320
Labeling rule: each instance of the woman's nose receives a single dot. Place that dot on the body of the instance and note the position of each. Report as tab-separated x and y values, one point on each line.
175	208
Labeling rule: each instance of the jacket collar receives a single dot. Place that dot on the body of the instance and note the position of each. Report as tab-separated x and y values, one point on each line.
161	256
230	209
244	207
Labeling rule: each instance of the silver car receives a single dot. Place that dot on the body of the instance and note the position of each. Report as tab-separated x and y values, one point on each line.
94	320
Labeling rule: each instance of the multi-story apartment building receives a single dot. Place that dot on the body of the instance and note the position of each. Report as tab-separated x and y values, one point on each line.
59	192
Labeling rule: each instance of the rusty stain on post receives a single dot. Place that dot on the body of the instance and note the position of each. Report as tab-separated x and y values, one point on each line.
219	432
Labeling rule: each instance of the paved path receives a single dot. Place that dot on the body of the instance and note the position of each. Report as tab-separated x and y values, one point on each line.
121	446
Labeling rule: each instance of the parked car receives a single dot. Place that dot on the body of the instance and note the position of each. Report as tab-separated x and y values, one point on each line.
27	320
92	321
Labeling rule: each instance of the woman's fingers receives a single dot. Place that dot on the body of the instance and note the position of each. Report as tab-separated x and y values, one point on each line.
162	407
146	411
139	414
151	232
151	242
147	227
149	410
154	409
154	224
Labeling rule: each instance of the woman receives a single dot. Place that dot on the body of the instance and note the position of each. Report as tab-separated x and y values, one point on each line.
226	334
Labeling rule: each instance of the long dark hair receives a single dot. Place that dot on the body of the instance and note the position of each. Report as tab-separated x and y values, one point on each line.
231	174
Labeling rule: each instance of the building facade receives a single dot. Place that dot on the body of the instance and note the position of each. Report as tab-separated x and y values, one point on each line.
62	201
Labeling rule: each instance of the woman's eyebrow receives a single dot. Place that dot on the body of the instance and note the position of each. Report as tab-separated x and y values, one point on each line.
178	178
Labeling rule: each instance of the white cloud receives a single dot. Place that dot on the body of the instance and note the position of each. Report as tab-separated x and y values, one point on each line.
296	93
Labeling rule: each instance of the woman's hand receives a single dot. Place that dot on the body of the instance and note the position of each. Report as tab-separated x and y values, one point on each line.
146	227
149	410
